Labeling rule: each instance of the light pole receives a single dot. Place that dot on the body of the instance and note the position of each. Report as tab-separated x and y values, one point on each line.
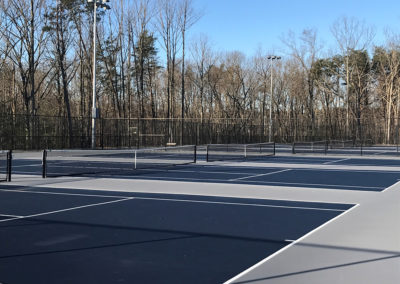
96	4
272	58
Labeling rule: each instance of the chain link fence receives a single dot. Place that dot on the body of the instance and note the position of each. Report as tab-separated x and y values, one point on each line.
22	132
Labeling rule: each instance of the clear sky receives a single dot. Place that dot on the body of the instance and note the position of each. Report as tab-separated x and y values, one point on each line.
245	25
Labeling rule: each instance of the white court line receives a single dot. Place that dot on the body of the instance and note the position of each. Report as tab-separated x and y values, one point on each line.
193	171
10	216
334	186
137	197
166	199
393	185
65	210
186	200
376	152
278	183
351	170
336	161
27	165
259	175
287	247
64	193
239	204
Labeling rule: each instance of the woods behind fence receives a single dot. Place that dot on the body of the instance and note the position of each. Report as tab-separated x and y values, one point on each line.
156	86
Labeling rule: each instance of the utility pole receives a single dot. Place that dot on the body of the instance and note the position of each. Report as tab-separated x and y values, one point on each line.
100	4
272	58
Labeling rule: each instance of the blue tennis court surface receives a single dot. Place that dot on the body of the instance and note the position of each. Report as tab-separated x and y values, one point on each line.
85	237
310	178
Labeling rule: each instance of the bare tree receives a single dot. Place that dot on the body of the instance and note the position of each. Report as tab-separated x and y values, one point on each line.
188	18
351	34
169	30
203	60
386	66
60	27
142	12
22	29
305	53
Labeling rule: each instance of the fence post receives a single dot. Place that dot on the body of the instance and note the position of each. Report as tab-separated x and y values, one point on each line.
44	164
9	163
101	132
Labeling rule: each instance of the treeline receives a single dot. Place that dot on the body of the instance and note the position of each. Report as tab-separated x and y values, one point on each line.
148	69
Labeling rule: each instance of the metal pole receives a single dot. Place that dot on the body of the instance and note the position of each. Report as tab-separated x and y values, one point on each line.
44	164
94	111
270	106
9	165
271	57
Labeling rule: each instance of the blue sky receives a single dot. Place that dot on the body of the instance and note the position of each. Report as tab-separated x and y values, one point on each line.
245	25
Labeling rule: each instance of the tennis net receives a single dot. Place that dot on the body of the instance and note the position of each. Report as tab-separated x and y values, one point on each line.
5	166
320	147
221	152
113	162
341	144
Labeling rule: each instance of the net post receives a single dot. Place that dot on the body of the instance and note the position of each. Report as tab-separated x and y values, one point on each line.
195	154
274	149
9	165
207	152
44	164
326	147
293	148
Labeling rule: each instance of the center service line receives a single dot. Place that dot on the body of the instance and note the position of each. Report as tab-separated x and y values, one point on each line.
67	209
336	161
259	175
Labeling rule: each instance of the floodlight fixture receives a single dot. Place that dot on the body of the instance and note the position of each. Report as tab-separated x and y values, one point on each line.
273	57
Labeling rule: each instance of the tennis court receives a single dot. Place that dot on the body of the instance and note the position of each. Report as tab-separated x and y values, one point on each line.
249	221
86	237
